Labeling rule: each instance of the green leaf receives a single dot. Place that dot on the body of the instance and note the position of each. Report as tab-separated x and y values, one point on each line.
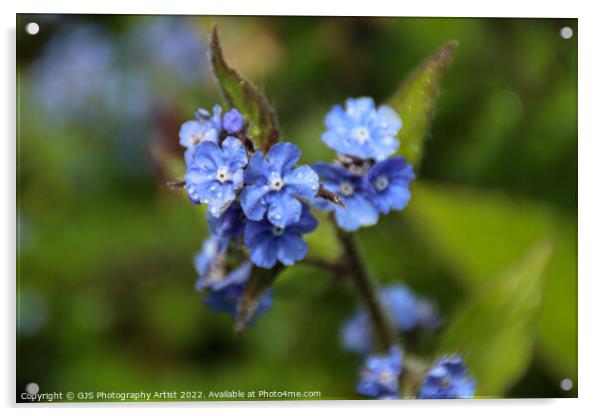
415	102
476	234
240	93
496	329
257	285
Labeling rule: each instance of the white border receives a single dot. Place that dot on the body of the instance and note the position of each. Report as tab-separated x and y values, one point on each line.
590	178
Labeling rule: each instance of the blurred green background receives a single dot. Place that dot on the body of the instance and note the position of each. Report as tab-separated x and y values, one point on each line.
105	278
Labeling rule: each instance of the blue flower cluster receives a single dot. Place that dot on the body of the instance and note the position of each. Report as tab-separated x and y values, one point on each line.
253	199
448	379
379	377
406	311
86	74
365	176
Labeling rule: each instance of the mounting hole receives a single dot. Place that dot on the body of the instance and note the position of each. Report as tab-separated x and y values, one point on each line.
566	384
32	388
32	28
566	32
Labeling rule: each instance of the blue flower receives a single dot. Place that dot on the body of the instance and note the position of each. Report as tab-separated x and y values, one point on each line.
230	224
356	335
405	310
206	127
71	76
391	181
268	243
426	314
448	379
361	130
379	376
233	121
214	174
354	191
224	295
274	186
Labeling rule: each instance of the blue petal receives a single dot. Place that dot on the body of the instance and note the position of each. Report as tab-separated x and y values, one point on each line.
216	119
283	209
306	224
358	212
303	181
359	108
253	201
291	248
336	119
339	142
258	170
196	182
207	154
187	132
218	196
426	315
399	174
263	252
368	388
283	156
389	121
225	300
230	224
400	303
254	231
330	174
233	121
384	147
356	335
234	153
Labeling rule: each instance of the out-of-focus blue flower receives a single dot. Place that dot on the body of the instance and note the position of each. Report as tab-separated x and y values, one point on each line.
448	379
274	186
356	334
71	76
206	127
426	314
233	121
354	191
400	303
230	224
224	295
379	376
361	130
214	174
405	310
268	243
209	262
391	181
169	48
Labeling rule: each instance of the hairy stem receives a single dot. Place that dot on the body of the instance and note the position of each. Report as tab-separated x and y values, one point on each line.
367	291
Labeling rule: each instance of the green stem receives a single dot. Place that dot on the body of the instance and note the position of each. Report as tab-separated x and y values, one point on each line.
413	367
367	291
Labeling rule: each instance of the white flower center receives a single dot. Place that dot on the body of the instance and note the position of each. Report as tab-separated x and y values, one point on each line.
277	231
276	182
222	174
346	189
381	183
386	376
360	134
446	382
